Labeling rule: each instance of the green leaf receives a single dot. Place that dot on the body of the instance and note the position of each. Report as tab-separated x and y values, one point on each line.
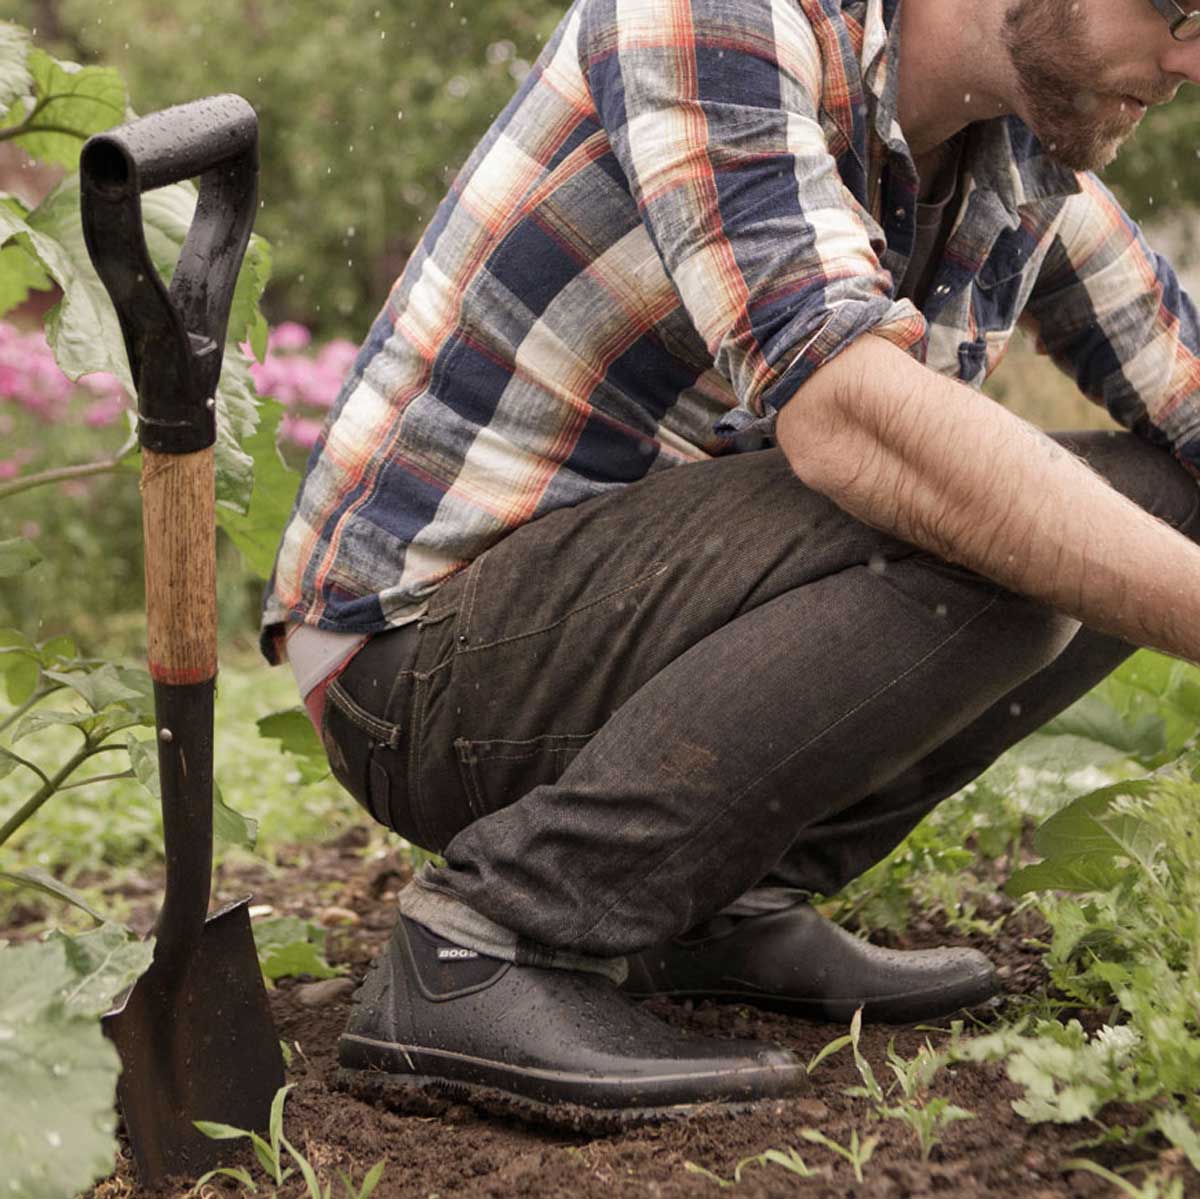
1087	872
1095	720
20	273
15	79
298	958
257	532
310	1177
17	555
220	1132
1181	1132
288	946
99	688
1076	830
35	722
371	1180
232	827
275	1120
21	678
82	328
294	731
234	1172
143	757
107	961
58	1074
58	649
246	322
80	100
40	880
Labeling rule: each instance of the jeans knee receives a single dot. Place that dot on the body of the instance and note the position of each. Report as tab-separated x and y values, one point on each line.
1034	634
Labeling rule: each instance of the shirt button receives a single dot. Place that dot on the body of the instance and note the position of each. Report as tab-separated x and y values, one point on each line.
901	213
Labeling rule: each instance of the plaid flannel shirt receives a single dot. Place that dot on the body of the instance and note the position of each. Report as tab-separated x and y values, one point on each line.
686	209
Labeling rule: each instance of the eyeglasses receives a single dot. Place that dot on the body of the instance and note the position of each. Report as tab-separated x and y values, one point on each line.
1184	23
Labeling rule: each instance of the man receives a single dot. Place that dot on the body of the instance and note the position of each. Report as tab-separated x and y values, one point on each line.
644	713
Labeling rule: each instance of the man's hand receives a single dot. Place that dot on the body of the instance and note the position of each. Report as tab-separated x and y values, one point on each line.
935	463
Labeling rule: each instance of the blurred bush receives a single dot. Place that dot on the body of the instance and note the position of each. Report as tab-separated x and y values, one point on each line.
366	110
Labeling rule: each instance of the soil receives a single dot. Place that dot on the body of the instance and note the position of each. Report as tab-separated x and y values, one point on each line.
439	1151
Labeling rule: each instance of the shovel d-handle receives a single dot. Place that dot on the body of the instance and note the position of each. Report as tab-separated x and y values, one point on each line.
175	340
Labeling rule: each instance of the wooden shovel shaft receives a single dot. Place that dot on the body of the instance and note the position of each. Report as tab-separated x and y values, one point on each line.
178	520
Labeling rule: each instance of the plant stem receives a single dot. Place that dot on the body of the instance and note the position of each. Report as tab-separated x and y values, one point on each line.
58	475
43	793
20	761
98	778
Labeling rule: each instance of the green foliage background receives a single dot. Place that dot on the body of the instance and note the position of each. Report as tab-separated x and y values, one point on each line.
366	109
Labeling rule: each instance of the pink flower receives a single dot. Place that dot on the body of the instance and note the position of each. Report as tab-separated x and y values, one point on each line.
9	468
300	432
289	336
104	411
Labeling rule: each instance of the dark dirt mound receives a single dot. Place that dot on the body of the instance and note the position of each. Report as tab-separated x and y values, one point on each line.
440	1150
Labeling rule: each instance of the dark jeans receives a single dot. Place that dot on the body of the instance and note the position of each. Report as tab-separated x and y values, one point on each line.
630	712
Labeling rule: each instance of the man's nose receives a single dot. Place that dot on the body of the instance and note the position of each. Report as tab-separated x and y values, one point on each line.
1181	60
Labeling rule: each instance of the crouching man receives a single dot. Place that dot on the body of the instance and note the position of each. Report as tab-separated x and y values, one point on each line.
660	563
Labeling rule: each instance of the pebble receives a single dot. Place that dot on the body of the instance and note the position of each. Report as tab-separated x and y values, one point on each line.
336	915
810	1109
1035	1161
326	991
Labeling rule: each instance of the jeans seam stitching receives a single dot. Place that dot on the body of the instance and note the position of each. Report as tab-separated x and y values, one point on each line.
799	749
381	730
658	570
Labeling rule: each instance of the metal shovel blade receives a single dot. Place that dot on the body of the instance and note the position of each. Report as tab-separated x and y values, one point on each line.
198	1045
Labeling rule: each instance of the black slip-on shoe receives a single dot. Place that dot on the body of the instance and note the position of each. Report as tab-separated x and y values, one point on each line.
796	961
556	1045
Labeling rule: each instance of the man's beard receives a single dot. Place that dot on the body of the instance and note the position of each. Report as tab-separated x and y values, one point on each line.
1054	64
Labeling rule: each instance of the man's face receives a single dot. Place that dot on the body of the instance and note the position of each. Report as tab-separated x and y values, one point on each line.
1085	83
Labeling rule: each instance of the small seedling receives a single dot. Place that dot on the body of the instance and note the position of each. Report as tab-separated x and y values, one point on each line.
789	1159
857	1153
1156	1186
270	1158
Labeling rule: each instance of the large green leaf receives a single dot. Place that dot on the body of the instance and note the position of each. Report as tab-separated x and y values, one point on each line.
99	688
1141	737
15	79
256	533
1078	829
58	1074
230	826
1088	872
20	273
73	102
106	962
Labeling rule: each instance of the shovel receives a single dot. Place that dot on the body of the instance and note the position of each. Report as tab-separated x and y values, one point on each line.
194	1034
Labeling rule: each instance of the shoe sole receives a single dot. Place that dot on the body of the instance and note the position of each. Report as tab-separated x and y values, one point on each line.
905	1008
395	1079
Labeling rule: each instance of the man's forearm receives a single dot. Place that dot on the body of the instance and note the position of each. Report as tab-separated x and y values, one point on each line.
943	467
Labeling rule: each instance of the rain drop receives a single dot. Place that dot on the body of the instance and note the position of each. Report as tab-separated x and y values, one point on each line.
54	1139
1014	709
876	564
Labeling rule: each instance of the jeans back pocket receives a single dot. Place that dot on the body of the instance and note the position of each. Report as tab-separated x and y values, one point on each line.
497	773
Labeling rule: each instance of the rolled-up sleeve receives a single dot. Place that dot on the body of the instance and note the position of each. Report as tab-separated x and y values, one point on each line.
1111	313
712	109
